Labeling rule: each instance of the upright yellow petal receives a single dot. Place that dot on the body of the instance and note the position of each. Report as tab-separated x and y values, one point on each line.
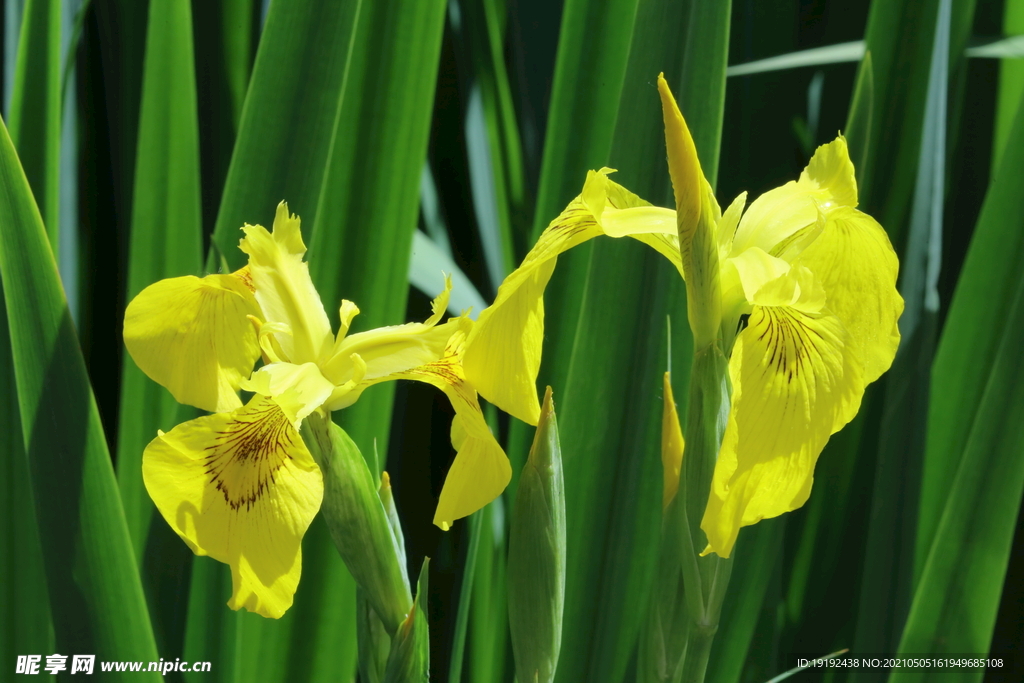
795	381
285	290
856	264
672	444
242	488
786	214
481	470
192	335
831	170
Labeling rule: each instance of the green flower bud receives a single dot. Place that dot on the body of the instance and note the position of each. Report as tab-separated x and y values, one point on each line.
357	520
536	557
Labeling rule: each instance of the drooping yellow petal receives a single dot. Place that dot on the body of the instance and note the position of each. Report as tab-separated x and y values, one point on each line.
787	216
795	381
192	335
297	389
481	470
504	349
856	264
242	488
285	290
672	445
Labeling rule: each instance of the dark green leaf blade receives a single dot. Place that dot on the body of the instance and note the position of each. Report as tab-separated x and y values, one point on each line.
35	114
974	476
284	137
166	237
90	567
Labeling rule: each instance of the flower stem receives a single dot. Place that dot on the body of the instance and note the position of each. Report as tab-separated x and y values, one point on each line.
705	578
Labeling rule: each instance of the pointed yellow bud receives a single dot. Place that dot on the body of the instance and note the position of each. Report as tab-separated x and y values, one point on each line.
671	445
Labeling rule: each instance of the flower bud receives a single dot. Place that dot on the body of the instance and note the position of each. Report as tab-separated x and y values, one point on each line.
357	520
536	558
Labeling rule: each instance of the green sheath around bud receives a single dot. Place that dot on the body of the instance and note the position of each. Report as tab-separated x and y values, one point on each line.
357	520
374	643
388	501
409	660
536	557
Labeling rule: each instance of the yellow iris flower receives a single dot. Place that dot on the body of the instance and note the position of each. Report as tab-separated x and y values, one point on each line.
239	485
800	289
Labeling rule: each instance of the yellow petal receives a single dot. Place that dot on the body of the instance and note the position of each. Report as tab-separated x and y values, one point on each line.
284	288
672	445
793	380
297	389
504	349
755	268
481	470
786	214
727	226
857	267
242	488
831	170
386	350
193	336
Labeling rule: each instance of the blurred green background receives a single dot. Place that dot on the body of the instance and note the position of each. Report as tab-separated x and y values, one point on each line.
415	137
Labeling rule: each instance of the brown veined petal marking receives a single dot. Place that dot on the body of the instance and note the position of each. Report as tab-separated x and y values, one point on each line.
795	381
242	488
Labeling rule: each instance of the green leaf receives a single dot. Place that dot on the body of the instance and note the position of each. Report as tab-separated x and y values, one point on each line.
859	122
427	268
25	624
852	51
469	580
409	660
166	236
973	473
613	510
759	547
593	50
35	113
90	568
369	202
887	577
1011	81
488	625
288	120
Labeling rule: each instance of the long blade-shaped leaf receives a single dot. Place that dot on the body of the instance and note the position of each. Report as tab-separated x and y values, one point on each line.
35	114
288	119
973	475
1011	80
166	237
165	241
91	575
612	474
25	608
887	575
